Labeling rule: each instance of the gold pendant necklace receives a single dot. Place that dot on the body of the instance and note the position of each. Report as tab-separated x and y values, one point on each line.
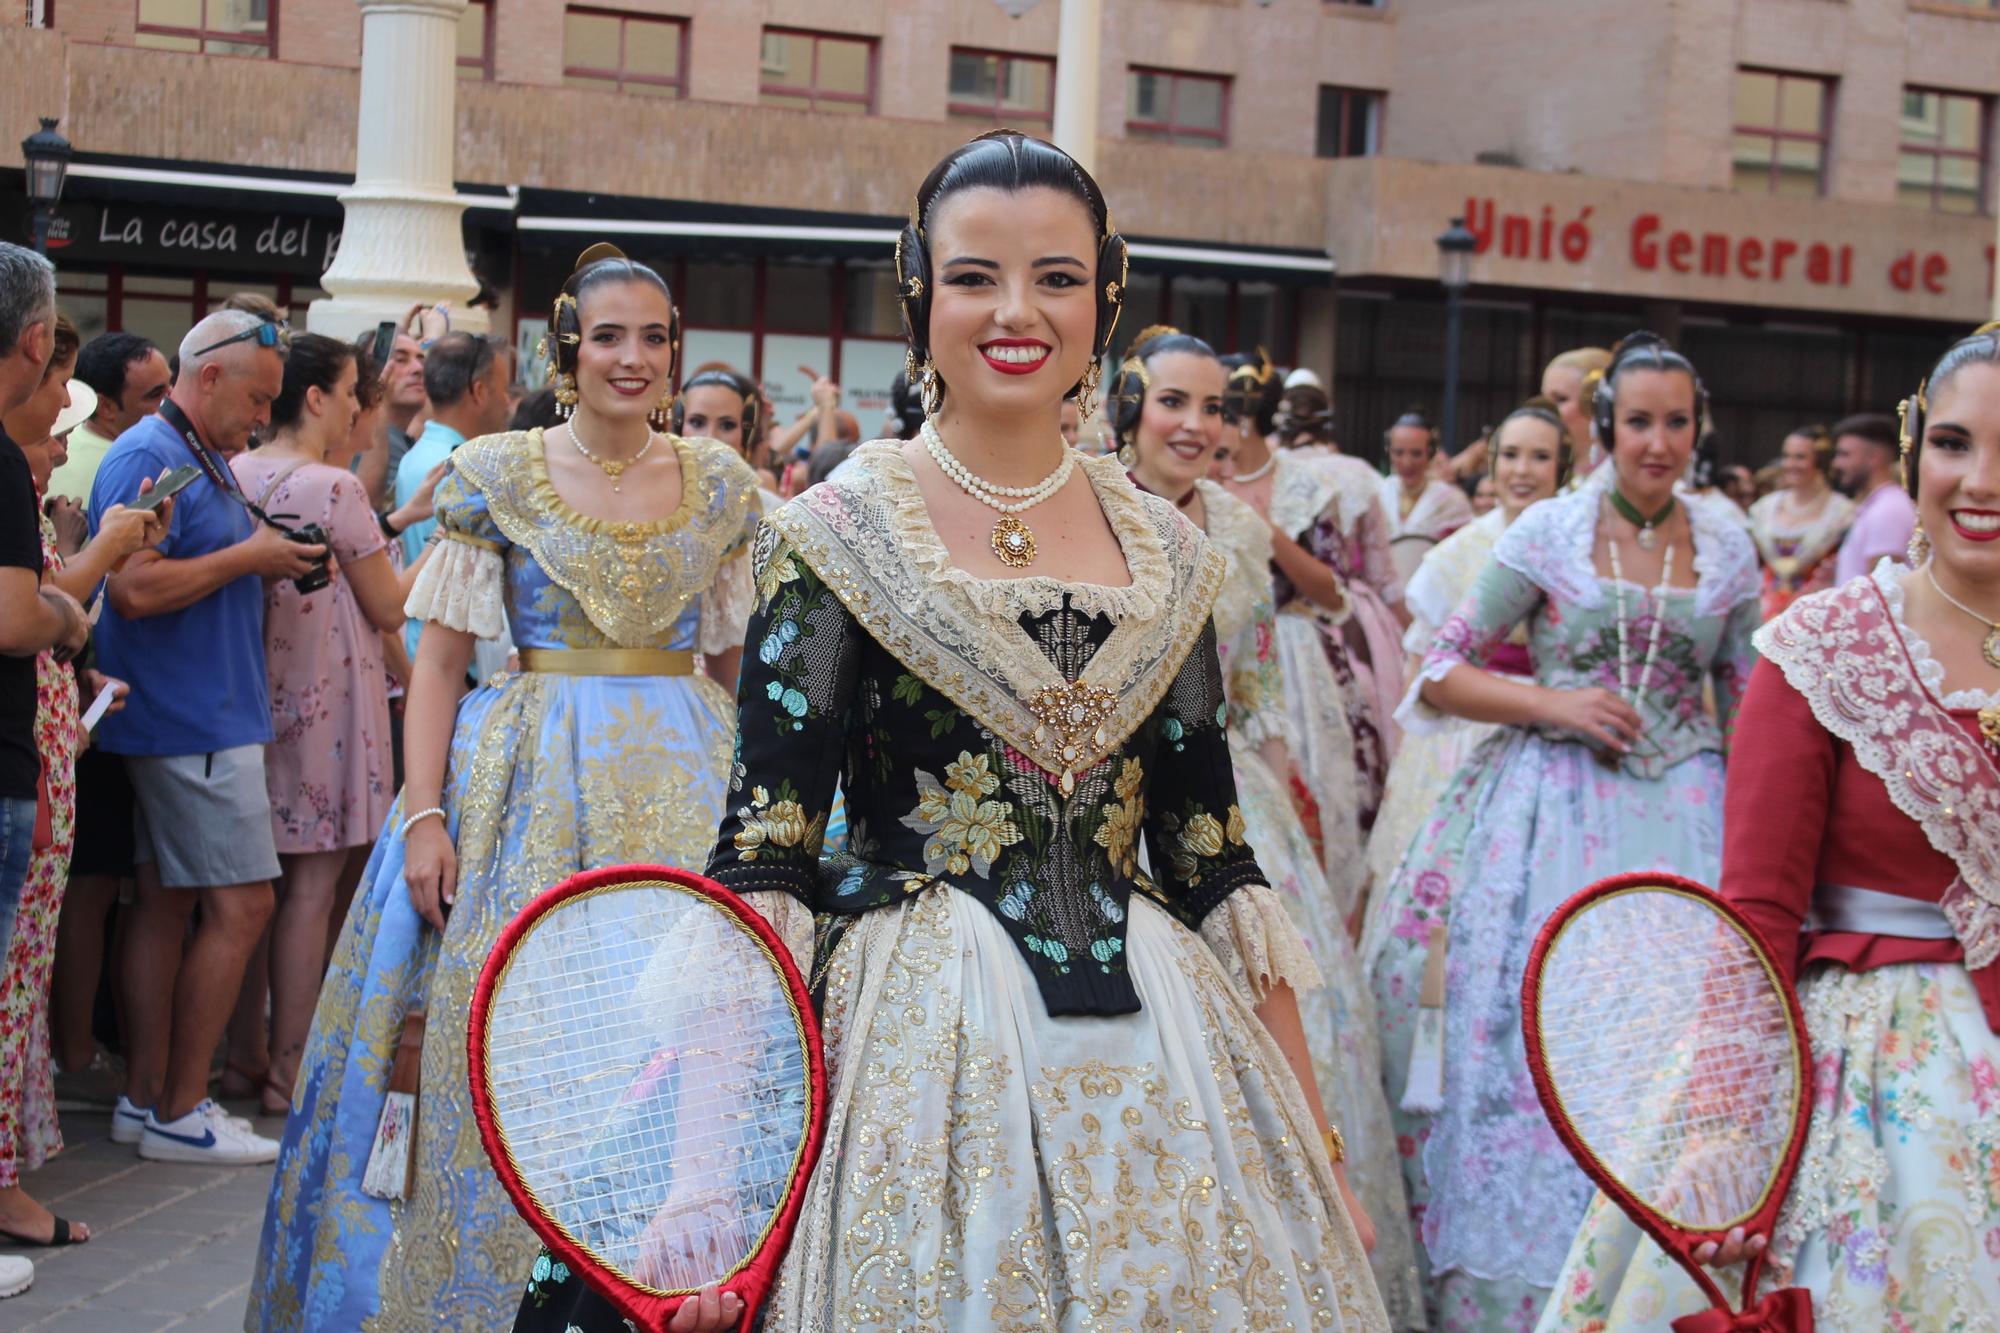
1013	540
1990	649
614	468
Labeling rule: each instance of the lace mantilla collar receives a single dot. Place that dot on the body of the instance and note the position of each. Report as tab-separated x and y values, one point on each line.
1449	569
1888	577
633	580
869	537
1240	533
1550	545
1815	538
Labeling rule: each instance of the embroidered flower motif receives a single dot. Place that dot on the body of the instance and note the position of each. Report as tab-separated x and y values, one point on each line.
1236	829
966	832
1203	835
972	775
778	572
769	826
1130	778
780	637
1118	833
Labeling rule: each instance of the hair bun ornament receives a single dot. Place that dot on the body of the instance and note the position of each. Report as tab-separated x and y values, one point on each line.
601	250
1146	335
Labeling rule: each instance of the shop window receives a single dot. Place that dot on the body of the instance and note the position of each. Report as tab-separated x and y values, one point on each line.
817	71
617	52
208	27
997	88
1782	120
1201	306
1945	141
1166	106
871	307
720	295
1349	122
475	41
798	297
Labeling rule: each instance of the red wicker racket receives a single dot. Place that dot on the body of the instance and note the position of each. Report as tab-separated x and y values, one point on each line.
648	1081
1671	1058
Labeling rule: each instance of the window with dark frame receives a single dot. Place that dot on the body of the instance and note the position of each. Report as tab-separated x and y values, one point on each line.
475	41
206	27
1783	125
817	71
1946	141
1169	106
612	50
1349	122
997	88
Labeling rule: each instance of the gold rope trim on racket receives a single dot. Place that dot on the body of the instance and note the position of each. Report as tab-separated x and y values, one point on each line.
1758	952
798	1026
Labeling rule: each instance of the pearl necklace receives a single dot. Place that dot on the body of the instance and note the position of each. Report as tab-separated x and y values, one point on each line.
1259	472
612	467
1013	541
1634	693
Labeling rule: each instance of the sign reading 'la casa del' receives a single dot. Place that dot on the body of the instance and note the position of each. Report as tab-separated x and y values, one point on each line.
1623	238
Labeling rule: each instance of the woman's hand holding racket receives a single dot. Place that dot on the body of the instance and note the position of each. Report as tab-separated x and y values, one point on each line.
709	1312
1733	1250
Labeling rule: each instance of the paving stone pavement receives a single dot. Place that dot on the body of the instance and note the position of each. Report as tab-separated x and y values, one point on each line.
171	1246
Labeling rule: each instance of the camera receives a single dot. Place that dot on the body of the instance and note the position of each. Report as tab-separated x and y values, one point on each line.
311	534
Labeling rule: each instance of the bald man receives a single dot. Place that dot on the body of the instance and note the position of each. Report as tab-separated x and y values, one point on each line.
185	625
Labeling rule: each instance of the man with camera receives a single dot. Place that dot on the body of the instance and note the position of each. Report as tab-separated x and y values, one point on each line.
185	625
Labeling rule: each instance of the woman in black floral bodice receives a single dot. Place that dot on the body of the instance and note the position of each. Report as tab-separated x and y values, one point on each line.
1069	1087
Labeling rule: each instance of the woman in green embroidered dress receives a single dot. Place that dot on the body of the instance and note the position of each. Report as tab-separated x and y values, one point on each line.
1054	1104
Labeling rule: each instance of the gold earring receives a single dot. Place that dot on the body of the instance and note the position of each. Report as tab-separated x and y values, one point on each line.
566	395
1086	391
933	396
1920	547
662	415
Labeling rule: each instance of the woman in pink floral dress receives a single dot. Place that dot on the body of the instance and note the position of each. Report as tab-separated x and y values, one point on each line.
328	768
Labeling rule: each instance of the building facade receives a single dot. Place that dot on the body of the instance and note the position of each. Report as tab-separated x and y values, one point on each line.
1800	191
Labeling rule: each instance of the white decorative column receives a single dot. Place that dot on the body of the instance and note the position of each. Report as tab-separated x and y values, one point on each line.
403	241
1076	81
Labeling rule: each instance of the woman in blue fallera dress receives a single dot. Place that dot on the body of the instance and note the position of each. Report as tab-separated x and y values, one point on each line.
619	555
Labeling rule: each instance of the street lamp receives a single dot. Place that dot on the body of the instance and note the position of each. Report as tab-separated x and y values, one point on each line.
1455	249
47	156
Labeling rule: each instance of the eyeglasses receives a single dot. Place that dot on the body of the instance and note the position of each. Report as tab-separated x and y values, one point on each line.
268	333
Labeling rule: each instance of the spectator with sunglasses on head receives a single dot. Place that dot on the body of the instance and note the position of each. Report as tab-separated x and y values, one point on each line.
185	626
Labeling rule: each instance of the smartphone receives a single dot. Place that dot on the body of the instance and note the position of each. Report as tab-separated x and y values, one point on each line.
101	704
166	487
385	345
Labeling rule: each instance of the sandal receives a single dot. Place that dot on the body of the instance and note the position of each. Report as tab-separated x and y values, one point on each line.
246	1082
275	1087
61	1236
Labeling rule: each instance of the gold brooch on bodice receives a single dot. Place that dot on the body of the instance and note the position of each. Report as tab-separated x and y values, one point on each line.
1073	711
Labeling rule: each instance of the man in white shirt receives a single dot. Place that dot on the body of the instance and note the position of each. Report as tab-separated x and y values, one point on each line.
130	377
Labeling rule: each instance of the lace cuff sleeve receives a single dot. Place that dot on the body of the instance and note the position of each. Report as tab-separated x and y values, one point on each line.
793	921
1257	944
726	606
461	587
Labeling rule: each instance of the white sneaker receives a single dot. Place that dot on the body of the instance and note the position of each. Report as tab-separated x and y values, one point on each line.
128	1122
16	1275
206	1135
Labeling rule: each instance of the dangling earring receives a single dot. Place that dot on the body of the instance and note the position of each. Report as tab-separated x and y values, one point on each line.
911	374
565	394
1086	390
933	389
662	415
1919	549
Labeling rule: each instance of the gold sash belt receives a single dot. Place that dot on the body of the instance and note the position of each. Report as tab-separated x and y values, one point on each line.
608	661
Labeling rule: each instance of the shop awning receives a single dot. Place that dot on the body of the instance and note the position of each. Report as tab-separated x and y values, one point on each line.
564	221
147	180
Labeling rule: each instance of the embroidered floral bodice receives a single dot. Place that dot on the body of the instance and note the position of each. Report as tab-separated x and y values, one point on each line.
571	581
1015	739
1542	575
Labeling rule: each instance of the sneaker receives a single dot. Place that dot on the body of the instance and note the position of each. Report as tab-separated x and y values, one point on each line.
207	1135
128	1122
16	1275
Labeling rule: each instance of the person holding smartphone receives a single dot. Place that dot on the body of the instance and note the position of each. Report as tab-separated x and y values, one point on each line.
185	625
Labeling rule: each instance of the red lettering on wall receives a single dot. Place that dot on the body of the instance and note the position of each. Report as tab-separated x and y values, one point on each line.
1903	273
1645	250
1750	257
1935	268
1680	246
1819	264
1714	254
1781	250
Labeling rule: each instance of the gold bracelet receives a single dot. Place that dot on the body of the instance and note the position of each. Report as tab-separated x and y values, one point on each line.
1336	1146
